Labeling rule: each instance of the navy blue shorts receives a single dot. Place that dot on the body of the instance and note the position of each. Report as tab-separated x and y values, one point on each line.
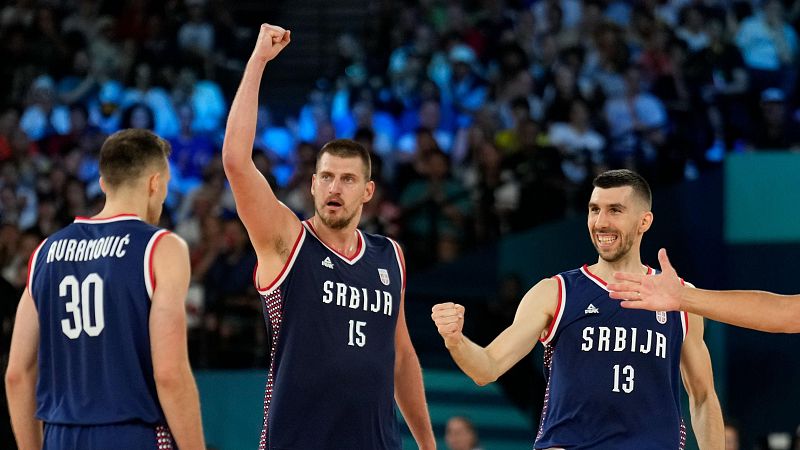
121	436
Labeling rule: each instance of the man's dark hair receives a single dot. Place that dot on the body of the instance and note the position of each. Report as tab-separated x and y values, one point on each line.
127	154
624	177
347	148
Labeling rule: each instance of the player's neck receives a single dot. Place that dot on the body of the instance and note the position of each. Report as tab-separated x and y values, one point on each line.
605	269
121	204
344	241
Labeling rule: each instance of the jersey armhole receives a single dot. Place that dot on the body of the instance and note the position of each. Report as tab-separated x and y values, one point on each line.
401	263
684	314
32	267
559	313
287	267
149	252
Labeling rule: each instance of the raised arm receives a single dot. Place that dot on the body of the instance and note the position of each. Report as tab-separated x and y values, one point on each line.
21	376
485	365
699	382
175	384
272	227
758	310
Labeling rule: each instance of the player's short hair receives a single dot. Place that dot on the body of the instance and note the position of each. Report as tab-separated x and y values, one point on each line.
347	148
624	177
127	154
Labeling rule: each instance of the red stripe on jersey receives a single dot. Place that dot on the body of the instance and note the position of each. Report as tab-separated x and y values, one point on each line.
285	266
351	259
31	262
586	269
152	253
555	315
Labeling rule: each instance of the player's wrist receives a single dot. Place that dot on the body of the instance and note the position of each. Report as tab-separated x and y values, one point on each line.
454	342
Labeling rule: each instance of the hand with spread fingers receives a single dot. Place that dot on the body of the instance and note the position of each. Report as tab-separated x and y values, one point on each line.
662	292
271	40
449	320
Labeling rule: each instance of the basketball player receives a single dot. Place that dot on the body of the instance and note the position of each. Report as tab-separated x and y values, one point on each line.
759	310
341	353
613	374
98	352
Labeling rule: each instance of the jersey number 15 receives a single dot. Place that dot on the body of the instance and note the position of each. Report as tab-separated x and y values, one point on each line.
81	296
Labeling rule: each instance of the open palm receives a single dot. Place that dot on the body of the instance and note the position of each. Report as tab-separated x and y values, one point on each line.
660	292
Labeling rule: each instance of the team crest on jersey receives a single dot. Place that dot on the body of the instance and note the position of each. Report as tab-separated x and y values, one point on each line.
384	275
661	317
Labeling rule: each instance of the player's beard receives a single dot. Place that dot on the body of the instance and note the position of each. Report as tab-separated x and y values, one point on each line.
336	223
622	250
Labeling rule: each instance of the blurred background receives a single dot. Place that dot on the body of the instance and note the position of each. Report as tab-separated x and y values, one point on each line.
486	121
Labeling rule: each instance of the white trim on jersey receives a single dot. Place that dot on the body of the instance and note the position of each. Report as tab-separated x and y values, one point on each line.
118	218
149	282
32	265
562	305
684	323
286	268
399	263
355	258
594	278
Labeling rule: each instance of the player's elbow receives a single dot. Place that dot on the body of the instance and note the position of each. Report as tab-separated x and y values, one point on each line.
231	160
483	380
169	378
16	376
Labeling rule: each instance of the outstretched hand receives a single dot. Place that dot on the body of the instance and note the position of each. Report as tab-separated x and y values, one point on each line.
662	292
272	39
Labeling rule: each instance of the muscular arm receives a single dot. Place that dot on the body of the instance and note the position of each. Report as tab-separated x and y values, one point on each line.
270	225
485	365
175	383
758	310
699	382
21	376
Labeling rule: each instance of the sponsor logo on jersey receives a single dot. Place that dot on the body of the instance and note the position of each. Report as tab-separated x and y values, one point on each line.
384	275
591	309
327	262
661	317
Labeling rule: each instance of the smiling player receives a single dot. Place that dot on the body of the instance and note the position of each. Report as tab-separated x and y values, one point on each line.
613	374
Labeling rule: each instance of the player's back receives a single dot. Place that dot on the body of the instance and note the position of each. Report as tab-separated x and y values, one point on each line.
91	283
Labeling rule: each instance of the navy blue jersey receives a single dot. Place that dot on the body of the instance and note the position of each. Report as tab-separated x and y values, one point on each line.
609	370
91	283
331	381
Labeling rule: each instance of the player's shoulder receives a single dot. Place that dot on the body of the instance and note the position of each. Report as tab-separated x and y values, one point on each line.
168	240
379	241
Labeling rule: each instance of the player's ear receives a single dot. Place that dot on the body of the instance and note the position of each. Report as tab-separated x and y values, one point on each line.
313	180
153	182
646	221
103	186
369	191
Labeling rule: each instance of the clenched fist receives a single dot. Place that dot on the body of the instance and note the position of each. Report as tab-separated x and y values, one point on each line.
271	40
449	320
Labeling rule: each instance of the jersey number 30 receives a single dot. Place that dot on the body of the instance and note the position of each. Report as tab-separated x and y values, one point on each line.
82	298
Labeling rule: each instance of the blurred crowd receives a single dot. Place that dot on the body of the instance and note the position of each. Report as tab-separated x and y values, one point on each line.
483	117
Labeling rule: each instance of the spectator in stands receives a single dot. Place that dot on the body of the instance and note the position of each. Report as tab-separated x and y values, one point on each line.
435	211
636	123
460	434
775	130
731	435
769	45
